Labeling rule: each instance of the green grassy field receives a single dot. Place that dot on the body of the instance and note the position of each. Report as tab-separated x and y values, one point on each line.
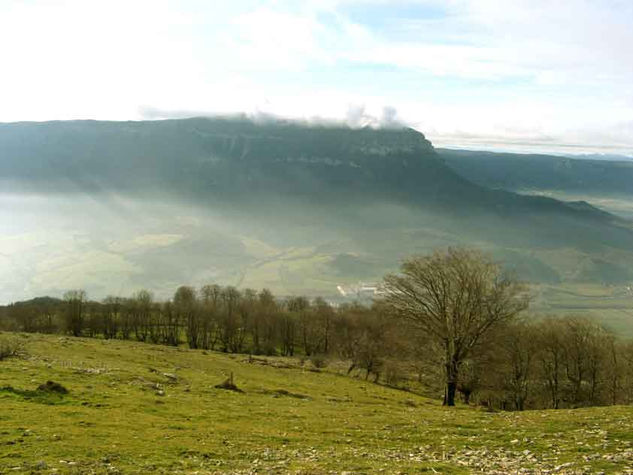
612	306
140	408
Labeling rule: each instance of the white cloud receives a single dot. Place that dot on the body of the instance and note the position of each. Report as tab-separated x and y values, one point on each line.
514	69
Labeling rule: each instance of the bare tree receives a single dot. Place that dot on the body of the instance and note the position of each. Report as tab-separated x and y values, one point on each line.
308	326
518	349
263	326
455	297
551	357
287	331
24	317
185	305
170	324
614	368
626	357
469	379
230	321
110	313
75	304
324	315
141	305
585	345
211	301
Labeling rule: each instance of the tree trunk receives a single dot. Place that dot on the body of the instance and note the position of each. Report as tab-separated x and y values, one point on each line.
451	386
451	380
519	403
466	397
555	399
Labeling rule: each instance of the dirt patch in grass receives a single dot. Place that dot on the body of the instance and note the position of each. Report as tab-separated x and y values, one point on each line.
229	385
285	393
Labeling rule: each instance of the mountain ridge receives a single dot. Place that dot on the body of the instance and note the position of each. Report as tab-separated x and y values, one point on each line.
295	208
524	172
212	142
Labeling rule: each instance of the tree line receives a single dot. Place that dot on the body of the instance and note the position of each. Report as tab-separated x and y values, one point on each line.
449	324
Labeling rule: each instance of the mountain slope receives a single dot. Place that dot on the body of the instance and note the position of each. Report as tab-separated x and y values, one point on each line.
290	418
238	159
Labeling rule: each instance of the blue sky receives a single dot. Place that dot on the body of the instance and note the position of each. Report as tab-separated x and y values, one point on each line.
557	76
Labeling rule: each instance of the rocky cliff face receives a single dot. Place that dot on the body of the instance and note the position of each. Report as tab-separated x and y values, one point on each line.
224	157
239	161
276	141
111	151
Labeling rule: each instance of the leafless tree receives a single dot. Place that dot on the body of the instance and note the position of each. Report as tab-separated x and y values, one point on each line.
518	349
551	358
211	302
141	313
75	303
455	297
230	319
186	307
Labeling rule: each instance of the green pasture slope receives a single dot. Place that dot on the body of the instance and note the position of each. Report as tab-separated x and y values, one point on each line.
140	408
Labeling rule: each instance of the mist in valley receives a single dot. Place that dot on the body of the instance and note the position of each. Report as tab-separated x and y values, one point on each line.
114	244
300	209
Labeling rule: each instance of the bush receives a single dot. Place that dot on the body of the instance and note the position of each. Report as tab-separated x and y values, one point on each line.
53	387
393	374
319	361
9	347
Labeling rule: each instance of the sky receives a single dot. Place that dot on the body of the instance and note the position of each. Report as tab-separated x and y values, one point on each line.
525	75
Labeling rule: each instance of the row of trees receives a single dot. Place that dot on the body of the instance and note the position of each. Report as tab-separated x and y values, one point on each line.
210	318
448	321
464	314
549	363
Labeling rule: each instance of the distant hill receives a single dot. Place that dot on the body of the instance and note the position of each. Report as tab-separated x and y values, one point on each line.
123	205
611	157
511	171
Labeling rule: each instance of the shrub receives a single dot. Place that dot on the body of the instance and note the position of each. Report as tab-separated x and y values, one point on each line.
319	361
9	347
53	387
393	374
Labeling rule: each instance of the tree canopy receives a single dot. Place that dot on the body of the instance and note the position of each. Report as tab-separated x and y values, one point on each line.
454	297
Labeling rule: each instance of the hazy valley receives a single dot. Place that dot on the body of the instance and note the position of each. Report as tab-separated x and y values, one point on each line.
117	206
